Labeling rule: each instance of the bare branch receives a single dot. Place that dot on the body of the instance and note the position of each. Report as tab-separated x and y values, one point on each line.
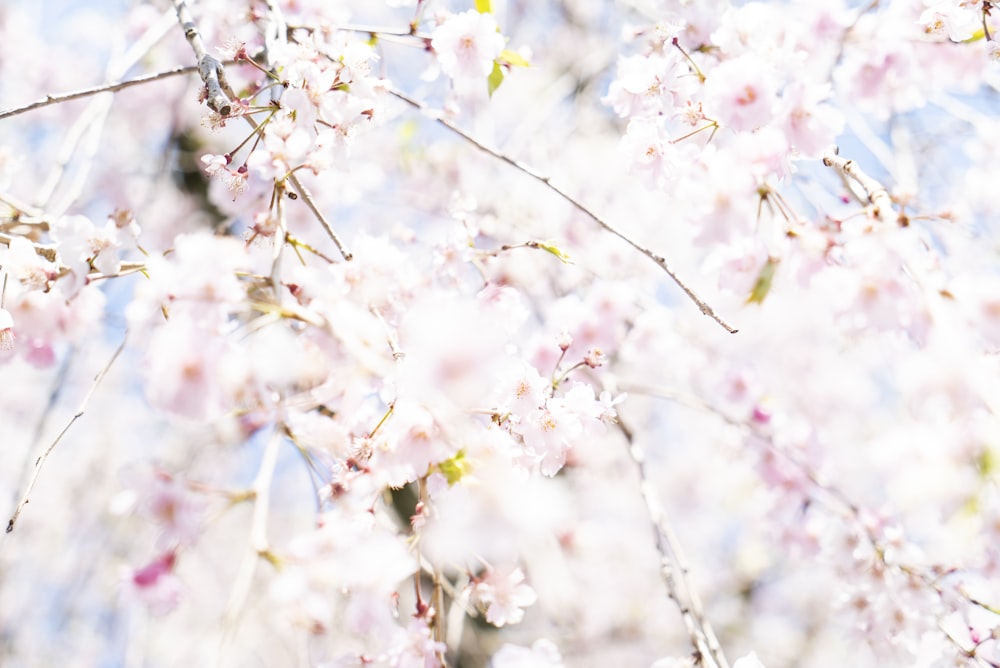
209	68
876	192
26	498
673	566
311	203
275	32
260	494
520	166
113	87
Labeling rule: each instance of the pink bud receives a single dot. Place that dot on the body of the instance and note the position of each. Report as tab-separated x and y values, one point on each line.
564	340
595	358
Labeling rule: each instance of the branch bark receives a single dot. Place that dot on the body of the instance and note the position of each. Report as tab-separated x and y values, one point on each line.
112	87
42	458
878	196
673	567
547	182
209	68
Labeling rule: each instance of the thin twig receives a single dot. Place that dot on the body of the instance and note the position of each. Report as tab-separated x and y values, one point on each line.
831	497
307	197
673	565
259	544
547	182
57	386
262	493
48	451
209	68
275	34
84	135
280	240
311	203
113	87
847	35
876	192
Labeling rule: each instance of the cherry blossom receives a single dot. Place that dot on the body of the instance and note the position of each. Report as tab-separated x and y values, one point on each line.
742	93
503	594
677	348
155	584
954	19
466	45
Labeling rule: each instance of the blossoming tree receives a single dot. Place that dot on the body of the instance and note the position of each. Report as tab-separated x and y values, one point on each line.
512	334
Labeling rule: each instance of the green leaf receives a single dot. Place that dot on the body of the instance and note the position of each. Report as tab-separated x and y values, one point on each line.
551	248
976	36
987	462
483	7
513	58
496	77
455	467
763	284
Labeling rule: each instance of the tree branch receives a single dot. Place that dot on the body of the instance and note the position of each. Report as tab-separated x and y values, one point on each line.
25	499
546	181
209	68
311	203
876	192
113	87
673	566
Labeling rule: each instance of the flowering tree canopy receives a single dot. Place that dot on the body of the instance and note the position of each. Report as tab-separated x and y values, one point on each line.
418	333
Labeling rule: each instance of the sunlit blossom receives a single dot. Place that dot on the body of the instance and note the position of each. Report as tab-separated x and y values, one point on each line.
466	45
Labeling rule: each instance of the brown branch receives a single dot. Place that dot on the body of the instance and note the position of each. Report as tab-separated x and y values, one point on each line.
95	90
547	182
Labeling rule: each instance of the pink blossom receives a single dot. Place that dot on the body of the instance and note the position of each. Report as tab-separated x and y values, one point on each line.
524	390
741	93
466	45
164	501
503	594
953	18
80	243
646	85
549	432
214	164
417	648
182	364
286	146
155	584
810	124
412	444
883	79
648	151
21	262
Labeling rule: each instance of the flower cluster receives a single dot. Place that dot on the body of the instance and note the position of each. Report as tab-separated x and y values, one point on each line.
419	383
